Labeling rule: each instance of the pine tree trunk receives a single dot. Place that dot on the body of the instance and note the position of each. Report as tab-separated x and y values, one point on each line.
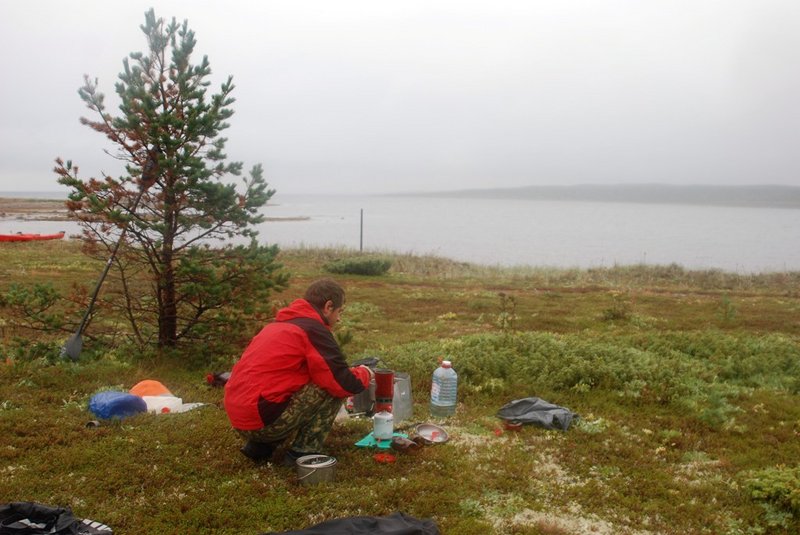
168	312
167	308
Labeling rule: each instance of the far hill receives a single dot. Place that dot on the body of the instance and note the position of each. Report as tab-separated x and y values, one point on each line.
752	196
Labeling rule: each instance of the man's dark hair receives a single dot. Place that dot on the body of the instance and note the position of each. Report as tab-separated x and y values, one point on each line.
323	290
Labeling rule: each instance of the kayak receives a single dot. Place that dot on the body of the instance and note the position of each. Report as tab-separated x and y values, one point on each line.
30	237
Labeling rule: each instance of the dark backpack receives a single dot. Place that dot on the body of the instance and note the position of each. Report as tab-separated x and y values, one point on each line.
29	518
394	524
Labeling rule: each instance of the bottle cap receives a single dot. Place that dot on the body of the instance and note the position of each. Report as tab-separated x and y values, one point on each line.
447	364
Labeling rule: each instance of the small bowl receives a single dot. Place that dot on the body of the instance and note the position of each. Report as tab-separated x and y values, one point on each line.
513	425
432	434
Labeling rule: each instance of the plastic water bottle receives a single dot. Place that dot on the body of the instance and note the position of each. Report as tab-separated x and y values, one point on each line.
444	390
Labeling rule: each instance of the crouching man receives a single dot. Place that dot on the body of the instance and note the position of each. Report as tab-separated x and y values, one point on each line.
293	377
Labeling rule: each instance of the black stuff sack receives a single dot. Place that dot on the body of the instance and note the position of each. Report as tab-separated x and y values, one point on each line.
394	524
30	518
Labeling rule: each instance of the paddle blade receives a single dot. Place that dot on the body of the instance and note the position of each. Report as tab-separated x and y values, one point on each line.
72	348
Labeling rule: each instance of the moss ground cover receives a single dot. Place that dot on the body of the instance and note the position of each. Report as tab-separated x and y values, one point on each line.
686	384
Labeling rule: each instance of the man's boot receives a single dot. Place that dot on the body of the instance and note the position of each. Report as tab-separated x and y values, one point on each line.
259	452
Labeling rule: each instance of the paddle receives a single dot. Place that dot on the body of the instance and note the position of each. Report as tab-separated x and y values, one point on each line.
72	347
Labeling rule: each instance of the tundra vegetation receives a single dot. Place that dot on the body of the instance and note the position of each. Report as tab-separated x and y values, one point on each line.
686	383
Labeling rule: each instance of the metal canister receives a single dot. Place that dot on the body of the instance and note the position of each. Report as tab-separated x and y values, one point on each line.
364	402
312	469
383	425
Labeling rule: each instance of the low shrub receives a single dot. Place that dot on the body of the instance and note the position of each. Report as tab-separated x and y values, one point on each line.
21	349
360	265
778	489
692	371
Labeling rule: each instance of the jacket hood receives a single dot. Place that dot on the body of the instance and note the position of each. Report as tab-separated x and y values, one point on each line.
300	308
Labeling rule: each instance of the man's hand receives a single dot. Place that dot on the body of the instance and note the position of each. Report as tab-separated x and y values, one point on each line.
371	372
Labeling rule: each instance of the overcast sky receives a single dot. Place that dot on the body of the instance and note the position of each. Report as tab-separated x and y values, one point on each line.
377	96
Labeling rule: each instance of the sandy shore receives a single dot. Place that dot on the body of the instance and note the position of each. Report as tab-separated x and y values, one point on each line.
33	209
54	210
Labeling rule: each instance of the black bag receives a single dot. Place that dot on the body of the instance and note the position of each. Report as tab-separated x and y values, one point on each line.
395	524
29	518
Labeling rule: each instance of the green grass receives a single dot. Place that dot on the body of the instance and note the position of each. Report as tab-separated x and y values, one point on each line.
686	383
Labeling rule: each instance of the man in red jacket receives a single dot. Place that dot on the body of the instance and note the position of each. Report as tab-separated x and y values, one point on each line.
293	377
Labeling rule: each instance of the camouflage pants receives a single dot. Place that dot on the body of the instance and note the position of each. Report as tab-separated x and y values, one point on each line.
310	412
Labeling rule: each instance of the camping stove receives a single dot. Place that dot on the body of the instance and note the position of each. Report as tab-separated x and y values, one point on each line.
378	397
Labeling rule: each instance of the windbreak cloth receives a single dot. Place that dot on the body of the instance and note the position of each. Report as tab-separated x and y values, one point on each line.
538	412
30	518
394	524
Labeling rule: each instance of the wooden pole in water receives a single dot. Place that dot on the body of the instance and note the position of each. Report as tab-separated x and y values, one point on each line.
361	238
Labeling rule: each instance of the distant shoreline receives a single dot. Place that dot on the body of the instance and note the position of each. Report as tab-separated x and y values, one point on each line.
32	209
769	196
749	196
30	195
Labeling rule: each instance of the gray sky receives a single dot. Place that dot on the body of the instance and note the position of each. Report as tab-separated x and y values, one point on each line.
377	96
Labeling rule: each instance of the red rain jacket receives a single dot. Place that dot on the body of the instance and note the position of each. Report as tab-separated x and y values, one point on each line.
296	349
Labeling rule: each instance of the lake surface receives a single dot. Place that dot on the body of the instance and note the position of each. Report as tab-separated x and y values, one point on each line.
529	232
547	233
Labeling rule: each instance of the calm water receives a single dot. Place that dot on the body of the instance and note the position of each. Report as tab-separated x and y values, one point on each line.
543	233
548	233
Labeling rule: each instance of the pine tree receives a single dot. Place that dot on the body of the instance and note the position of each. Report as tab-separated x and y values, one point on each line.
171	204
